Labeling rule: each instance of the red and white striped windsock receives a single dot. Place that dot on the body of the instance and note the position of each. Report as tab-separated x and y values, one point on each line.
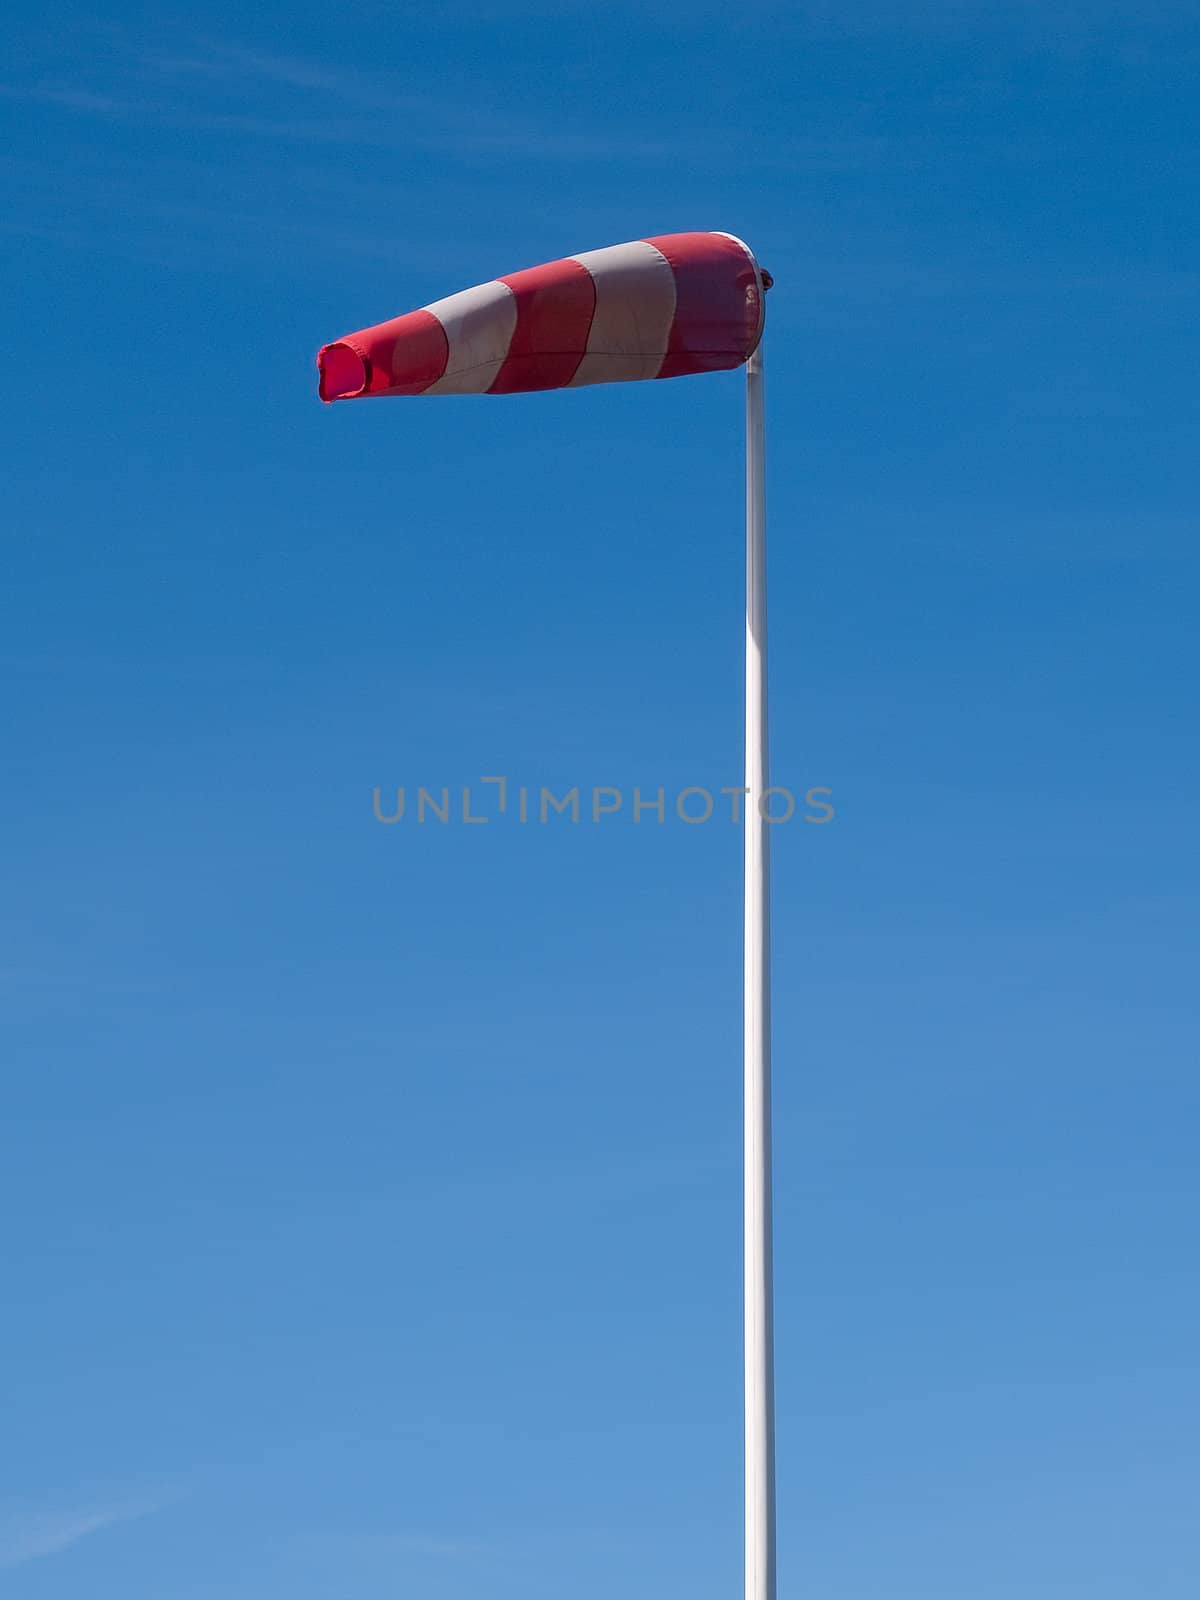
658	308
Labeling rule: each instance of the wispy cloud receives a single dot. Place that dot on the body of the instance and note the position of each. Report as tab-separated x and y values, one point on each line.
28	1533
367	1559
401	1542
420	1544
66	98
226	61
218	87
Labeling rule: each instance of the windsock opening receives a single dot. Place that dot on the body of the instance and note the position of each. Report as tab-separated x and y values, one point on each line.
344	373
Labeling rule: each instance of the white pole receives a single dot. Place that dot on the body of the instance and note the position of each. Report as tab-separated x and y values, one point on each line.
759	1315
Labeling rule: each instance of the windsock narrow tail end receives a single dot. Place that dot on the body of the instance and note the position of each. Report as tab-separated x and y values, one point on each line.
344	373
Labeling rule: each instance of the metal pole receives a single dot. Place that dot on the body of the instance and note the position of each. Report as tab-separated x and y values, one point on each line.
759	1314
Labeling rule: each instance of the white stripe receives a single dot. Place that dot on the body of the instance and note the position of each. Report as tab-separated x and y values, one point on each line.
479	326
635	307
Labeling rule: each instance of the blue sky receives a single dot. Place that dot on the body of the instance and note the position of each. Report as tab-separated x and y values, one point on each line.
371	1194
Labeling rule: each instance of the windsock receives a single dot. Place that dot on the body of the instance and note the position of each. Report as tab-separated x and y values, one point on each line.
657	308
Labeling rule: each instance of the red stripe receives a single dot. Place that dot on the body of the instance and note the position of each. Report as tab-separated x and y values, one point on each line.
555	304
412	353
718	303
403	356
